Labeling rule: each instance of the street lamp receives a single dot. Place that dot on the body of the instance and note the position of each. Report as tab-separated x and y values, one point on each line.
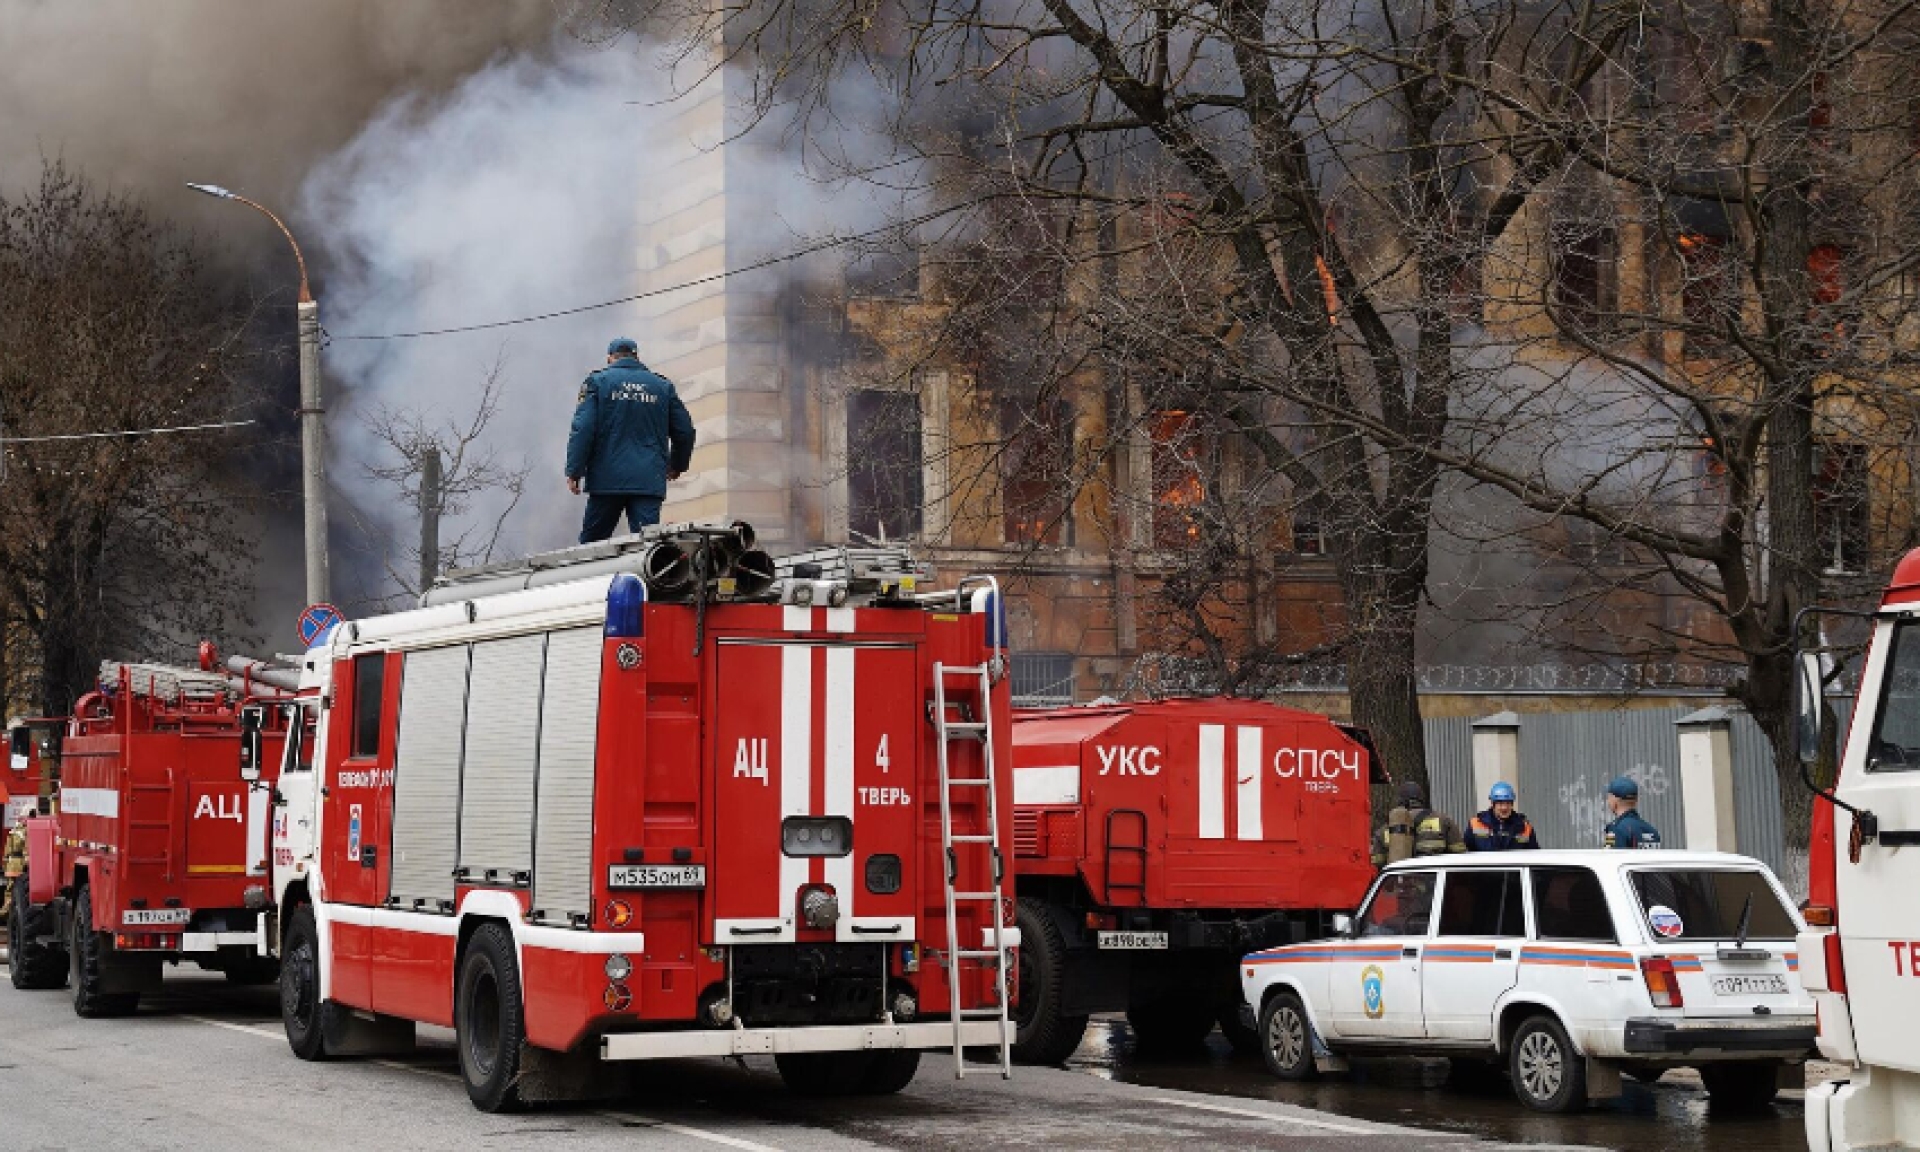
313	442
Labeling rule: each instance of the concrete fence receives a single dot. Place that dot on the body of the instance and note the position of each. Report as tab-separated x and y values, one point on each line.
1706	774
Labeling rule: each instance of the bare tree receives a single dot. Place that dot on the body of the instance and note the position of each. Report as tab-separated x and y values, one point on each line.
473	491
110	323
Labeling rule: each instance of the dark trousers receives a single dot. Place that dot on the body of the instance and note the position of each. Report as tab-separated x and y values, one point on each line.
603	515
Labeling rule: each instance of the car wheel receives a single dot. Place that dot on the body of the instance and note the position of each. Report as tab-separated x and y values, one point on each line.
1744	1087
1548	1075
1286	1038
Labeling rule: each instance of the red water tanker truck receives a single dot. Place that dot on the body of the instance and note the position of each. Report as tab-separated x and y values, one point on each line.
155	849
1156	843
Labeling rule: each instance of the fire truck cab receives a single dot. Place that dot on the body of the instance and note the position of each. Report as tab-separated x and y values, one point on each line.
644	799
1860	957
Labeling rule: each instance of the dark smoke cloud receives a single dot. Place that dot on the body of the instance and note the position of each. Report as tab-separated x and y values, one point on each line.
144	96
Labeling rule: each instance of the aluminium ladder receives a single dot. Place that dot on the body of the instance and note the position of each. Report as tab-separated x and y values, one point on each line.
958	954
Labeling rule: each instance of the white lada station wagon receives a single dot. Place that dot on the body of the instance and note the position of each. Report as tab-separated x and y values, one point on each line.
1567	967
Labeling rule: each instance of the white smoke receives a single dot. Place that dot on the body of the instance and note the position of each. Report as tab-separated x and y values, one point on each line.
511	195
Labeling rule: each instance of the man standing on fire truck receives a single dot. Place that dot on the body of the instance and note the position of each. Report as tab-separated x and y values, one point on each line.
631	434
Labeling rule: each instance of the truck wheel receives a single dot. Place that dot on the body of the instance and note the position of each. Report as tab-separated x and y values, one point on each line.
891	1070
1175	1025
1747	1086
32	964
1043	1034
825	1073
306	1017
88	951
488	1022
1548	1075
1245	1040
1287	1038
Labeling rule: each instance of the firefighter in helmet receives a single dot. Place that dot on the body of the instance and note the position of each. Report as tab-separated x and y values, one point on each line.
1413	829
1500	828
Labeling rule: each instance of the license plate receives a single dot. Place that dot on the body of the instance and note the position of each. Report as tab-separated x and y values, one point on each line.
1749	985
656	876
1133	940
143	917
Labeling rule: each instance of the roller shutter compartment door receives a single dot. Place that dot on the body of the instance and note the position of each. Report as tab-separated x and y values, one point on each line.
503	737
563	829
426	780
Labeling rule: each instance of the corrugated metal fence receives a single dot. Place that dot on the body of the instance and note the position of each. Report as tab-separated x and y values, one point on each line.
1567	759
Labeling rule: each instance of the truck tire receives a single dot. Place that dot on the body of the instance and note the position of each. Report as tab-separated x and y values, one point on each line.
32	965
1548	1075
1746	1086
307	1018
891	1070
867	1073
489	1020
1287	1038
1043	1034
1245	1040
1171	1025
88	951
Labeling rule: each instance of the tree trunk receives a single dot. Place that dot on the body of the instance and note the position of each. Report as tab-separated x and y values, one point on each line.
1381	680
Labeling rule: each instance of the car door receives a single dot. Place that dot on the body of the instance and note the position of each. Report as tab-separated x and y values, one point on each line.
1474	955
1373	980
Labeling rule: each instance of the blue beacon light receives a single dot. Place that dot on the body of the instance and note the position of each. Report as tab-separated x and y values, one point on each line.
626	607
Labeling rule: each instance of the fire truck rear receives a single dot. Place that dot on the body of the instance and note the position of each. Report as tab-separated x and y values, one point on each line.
1158	843
155	851
655	798
1861	954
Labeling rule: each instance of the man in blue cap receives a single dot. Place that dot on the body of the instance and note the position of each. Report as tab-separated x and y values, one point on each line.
1628	830
1500	828
631	434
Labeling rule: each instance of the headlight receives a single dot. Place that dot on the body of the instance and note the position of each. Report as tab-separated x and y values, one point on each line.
618	967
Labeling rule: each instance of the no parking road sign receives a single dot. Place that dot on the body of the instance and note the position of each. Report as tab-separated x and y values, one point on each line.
315	622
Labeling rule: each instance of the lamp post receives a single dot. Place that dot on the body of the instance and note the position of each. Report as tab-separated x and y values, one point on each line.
313	442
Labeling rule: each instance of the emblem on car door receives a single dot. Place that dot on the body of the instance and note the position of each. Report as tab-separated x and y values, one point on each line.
1373	992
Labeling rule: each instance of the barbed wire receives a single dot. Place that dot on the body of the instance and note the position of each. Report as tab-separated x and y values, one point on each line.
1183	675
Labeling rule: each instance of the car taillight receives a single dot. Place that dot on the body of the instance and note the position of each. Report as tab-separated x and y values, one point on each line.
1836	968
1662	984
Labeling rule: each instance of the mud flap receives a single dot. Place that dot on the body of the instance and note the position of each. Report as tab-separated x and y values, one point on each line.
548	1077
1603	1078
352	1033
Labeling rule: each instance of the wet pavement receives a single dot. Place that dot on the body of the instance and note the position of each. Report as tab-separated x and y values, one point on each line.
1672	1114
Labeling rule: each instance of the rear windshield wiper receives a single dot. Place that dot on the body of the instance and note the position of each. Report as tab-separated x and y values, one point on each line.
1746	917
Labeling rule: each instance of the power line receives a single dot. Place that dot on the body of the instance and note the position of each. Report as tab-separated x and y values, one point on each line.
769	262
129	432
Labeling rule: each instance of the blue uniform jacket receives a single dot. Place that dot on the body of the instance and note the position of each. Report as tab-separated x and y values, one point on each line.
1488	833
1630	831
629	431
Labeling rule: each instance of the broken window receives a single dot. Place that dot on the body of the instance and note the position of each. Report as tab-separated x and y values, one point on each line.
1583	280
1037	470
884	460
1179	449
1840	504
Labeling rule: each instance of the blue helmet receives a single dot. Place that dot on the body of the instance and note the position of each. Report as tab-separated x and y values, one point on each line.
1501	790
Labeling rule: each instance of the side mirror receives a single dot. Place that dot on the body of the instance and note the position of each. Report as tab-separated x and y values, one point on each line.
252	717
1807	706
1342	924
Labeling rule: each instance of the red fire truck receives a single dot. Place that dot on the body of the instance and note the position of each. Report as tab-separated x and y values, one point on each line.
33	751
658	797
155	851
1157	843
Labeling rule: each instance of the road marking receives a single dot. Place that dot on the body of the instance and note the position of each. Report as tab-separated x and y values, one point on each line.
692	1133
1271	1117
249	1029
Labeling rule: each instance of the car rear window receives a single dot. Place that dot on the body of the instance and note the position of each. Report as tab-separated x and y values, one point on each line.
1707	904
1570	904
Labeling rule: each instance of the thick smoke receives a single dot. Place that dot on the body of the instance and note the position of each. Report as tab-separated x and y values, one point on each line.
513	194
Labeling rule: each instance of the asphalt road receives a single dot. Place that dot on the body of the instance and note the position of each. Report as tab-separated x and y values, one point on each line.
205	1067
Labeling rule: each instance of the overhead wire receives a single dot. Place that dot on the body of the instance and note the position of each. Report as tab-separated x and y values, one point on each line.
126	432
